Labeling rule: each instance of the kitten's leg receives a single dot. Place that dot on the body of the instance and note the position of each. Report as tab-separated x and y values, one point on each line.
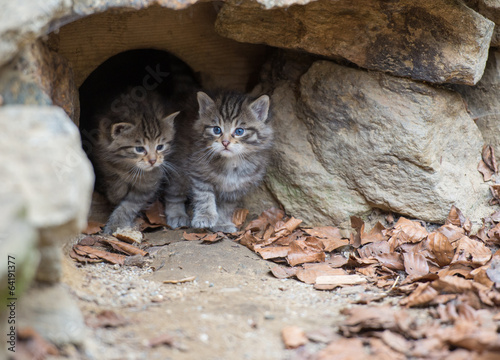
225	220
204	205
126	212
175	204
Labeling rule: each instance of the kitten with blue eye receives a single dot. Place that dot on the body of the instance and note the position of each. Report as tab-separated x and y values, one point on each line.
131	155
222	154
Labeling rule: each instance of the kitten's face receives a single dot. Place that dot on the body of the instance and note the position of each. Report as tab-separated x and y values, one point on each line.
233	126
143	146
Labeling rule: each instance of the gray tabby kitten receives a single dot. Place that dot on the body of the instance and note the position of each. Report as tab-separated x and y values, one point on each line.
223	154
130	157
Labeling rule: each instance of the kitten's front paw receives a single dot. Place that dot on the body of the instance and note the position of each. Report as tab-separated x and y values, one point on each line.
204	221
178	221
230	228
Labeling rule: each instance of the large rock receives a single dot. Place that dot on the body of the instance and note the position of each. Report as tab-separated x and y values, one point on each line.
22	22
356	139
483	101
491	10
423	40
39	76
43	164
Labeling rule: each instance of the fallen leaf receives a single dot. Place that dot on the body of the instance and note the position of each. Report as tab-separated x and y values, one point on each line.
272	252
415	264
409	231
452	232
111	257
493	270
344	349
303	251
212	238
293	337
329	236
309	274
93	227
488	155
337	260
455	269
452	284
193	236
106	319
376	234
422	295
379	350
485	171
239	217
359	226
495	191
396	341
267	218
124	247
156	214
471	252
288	227
441	248
282	272
83	259
393	261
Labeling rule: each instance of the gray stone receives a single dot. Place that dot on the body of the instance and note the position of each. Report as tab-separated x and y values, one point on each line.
38	76
483	101
357	139
422	40
22	22
49	173
52	312
490	9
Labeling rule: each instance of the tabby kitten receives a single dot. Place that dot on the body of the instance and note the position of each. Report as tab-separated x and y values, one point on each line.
223	154
130	156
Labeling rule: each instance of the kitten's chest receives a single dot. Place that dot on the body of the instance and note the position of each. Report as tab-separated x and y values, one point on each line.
235	176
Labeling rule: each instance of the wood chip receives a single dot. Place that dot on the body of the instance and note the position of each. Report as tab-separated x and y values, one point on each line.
185	280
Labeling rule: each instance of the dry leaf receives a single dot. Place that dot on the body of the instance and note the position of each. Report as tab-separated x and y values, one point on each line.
288	227
376	234
415	264
293	337
93	227
452	284
282	272
123	247
393	261
495	191
309	274
336	261
267	218
344	349
303	251
239	217
111	257
441	248
82	258
409	231
471	252
329	236
380	351
156	214
193	236
422	295
396	341
485	171
272	252
359	226
488	155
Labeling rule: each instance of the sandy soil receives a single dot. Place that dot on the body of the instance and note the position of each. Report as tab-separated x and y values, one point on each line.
234	309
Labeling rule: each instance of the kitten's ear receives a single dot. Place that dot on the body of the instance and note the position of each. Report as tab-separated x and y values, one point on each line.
169	120
260	108
205	102
120	128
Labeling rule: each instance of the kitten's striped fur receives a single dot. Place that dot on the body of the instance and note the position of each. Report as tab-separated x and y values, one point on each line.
131	155
219	168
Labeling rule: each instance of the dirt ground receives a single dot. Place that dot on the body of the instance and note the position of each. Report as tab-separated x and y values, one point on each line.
234	309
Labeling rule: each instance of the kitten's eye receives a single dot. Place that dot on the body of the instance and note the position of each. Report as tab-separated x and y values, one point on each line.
217	130
160	148
239	131
140	149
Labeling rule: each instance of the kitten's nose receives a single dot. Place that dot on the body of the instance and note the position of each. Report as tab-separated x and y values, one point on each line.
225	143
152	161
